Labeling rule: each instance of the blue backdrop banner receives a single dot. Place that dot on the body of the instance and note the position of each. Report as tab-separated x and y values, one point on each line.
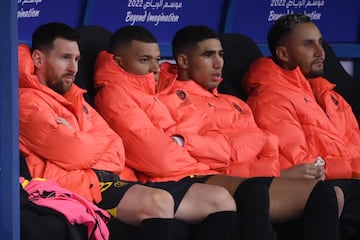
32	13
338	20
162	17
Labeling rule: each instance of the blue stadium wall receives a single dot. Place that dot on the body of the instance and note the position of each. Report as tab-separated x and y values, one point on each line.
338	20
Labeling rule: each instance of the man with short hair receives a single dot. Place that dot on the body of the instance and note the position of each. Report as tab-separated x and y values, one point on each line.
290	98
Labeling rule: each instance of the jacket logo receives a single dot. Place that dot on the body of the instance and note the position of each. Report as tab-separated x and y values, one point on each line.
237	107
85	110
335	101
181	94
307	100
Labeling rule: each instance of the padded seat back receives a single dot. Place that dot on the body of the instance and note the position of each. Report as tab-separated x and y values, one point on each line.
346	85
240	52
92	40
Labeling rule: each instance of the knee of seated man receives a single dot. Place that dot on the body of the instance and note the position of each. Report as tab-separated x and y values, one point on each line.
221	199
340	199
158	204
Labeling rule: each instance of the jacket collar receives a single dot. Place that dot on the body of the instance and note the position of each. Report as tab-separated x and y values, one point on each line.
108	73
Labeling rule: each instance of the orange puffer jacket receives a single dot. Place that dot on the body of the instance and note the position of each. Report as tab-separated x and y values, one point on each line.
309	118
63	137
220	120
129	104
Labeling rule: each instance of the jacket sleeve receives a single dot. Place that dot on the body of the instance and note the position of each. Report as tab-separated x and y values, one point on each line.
114	153
148	149
279	118
55	141
211	147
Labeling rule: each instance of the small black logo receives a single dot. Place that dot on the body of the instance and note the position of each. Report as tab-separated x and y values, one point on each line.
237	107
181	94
85	110
335	101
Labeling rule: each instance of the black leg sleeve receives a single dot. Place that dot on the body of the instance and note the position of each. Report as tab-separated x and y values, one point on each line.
163	229
252	201
121	230
220	225
349	224
320	217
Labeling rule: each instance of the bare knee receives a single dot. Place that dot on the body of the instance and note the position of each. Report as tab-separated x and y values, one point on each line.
340	199
288	197
222	200
141	202
202	200
159	204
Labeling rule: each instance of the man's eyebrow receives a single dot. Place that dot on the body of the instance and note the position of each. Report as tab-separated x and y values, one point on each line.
210	51
149	56
207	51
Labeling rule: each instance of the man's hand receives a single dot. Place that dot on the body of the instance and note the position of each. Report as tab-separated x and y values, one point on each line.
308	170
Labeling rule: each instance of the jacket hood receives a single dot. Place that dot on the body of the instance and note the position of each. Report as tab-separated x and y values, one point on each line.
321	88
28	79
168	76
108	73
320	85
264	73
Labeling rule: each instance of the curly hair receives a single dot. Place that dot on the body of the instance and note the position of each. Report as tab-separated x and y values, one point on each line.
282	28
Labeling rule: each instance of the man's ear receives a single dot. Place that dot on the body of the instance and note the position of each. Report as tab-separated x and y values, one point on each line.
117	60
38	58
281	53
182	61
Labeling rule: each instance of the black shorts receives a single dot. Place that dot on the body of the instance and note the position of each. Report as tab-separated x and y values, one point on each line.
178	189
113	192
112	188
264	180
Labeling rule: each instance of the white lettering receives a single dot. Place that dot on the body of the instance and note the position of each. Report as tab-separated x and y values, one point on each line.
29	1
292	6
134	18
162	18
314	15
273	16
31	13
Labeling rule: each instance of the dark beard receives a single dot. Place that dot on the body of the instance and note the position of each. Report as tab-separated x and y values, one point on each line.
314	74
59	88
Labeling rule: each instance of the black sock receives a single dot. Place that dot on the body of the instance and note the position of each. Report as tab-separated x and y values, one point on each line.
163	229
121	230
349	223
221	225
252	201
320	217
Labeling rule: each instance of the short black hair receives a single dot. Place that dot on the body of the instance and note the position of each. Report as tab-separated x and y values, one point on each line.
282	28
44	36
188	38
125	35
